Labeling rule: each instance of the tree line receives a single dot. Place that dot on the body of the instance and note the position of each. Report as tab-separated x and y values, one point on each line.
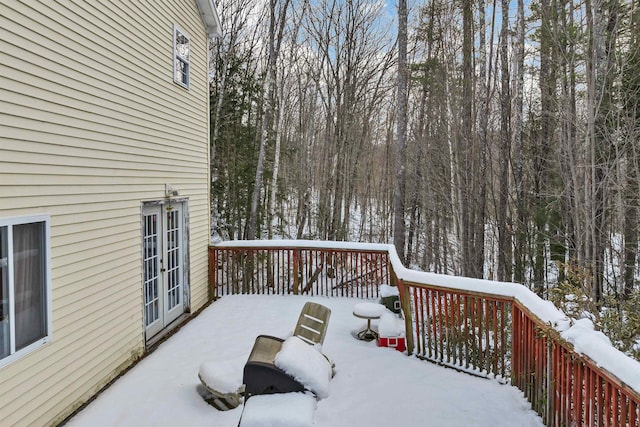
486	139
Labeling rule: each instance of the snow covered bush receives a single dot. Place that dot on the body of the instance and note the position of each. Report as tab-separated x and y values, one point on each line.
617	318
573	296
620	321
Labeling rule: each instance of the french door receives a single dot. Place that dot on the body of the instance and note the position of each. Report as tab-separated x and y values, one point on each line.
163	265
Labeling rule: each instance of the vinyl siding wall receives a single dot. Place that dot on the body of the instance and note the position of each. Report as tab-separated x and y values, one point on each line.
92	125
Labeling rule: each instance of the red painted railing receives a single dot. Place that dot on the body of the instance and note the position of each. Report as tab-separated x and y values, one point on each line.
566	388
477	331
464	330
298	270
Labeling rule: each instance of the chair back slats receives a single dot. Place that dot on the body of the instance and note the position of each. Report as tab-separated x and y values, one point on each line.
312	323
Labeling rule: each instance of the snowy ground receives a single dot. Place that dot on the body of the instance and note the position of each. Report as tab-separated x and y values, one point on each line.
372	387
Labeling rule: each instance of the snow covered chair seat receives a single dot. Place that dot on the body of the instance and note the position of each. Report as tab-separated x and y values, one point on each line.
221	384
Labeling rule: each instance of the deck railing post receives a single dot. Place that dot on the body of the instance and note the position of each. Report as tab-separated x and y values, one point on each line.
213	270
549	384
406	307
296	271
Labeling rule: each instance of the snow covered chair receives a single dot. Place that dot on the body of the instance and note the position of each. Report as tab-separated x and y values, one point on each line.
288	368
260	375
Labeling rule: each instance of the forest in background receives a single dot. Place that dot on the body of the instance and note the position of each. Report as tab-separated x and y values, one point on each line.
501	143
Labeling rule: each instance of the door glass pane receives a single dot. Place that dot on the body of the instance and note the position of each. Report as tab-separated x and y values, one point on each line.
29	283
173	259
151	260
4	294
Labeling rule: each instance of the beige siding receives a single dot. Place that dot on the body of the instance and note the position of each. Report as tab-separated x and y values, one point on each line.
91	126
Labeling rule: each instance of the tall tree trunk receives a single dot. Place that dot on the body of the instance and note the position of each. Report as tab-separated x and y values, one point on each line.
483	117
569	200
544	146
632	200
419	179
520	229
304	200
504	236
600	87
631	99
466	144
401	147
276	162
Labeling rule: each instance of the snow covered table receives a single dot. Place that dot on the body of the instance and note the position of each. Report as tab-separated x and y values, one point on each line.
369	311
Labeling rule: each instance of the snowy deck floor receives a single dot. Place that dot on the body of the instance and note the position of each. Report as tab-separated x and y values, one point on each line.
373	386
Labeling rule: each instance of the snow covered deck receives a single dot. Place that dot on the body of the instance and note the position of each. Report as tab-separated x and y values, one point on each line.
373	386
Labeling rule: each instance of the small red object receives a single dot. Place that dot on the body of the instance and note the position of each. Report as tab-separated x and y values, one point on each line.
394	342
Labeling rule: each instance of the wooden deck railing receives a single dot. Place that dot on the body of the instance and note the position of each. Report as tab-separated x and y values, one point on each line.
464	330
468	327
298	270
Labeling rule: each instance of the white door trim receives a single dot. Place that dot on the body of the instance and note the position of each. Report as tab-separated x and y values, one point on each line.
165	263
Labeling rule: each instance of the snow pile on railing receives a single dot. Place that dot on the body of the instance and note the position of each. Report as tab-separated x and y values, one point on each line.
304	244
581	334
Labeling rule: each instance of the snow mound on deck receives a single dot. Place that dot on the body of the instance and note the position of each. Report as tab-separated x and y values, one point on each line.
279	410
389	325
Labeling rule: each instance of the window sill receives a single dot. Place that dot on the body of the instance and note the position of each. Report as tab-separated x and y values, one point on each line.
31	348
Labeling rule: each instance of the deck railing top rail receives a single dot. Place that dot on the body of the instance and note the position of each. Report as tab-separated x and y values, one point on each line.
548	320
305	244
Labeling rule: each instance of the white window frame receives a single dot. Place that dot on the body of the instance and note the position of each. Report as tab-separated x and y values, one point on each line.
10	222
178	58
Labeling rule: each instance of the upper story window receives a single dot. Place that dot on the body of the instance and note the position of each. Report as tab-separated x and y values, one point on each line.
181	66
25	290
